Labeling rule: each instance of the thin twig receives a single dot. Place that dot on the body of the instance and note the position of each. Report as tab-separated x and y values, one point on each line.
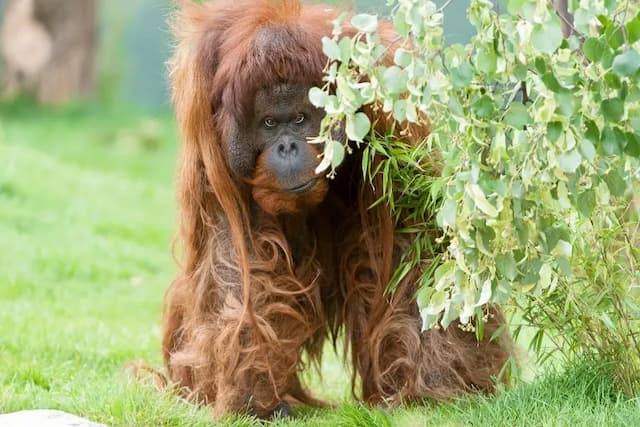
525	95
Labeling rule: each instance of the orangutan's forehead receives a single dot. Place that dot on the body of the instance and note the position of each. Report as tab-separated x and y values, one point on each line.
273	39
283	89
280	94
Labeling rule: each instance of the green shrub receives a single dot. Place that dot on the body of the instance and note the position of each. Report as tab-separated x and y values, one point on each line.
539	136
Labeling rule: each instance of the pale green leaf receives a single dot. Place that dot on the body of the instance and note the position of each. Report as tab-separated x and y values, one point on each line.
480	200
517	115
402	57
627	64
357	126
547	37
400	110
365	22
317	97
448	213
330	48
395	80
569	162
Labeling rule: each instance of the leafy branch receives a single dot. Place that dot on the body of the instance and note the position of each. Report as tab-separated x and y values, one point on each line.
538	134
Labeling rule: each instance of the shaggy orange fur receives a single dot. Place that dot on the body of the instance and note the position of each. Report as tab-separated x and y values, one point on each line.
265	277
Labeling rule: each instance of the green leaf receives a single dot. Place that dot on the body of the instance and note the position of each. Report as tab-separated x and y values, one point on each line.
331	104
612	80
567	103
569	162
333	155
400	110
402	57
412	114
610	5
520	71
564	265
615	182
395	80
581	20
611	145
487	61
357	126
506	266
545	276
437	301
480	200
550	81
485	296
447	214
593	49
612	109
586	202
330	48
554	130
607	58
634	119
337	151
423	296
317	97
461	76
444	270
400	24
429	320
525	8
517	116
515	6
587	150
562	195
563	248
592	133
484	107
613	32
365	22
451	313
633	145
553	233
540	65
455	107
547	37
633	29
484	236
624	91
627	64
498	147
345	49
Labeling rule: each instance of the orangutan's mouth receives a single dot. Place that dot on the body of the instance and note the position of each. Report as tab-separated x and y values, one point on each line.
303	188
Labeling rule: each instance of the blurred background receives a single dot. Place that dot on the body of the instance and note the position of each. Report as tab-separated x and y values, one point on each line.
87	153
111	50
87	156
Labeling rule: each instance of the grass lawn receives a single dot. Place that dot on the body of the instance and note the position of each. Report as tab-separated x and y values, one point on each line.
86	221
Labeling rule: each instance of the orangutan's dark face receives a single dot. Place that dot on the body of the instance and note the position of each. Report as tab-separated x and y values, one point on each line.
271	150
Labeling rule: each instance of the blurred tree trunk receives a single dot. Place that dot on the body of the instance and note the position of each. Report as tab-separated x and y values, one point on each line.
49	48
562	8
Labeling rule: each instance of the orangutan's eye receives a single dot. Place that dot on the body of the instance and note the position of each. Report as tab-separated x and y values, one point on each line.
299	118
269	122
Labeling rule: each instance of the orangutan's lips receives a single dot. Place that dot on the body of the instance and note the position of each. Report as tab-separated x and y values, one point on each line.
303	188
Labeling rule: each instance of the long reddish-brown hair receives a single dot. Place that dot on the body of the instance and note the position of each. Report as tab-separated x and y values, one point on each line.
218	65
221	60
217	69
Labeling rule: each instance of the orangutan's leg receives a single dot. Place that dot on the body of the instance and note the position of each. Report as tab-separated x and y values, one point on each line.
396	361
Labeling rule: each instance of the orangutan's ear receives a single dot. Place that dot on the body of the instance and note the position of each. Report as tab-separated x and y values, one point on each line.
239	150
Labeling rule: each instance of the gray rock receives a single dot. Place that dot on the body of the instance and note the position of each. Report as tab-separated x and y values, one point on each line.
44	418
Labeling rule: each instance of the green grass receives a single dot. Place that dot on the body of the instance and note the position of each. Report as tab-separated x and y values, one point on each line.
86	220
